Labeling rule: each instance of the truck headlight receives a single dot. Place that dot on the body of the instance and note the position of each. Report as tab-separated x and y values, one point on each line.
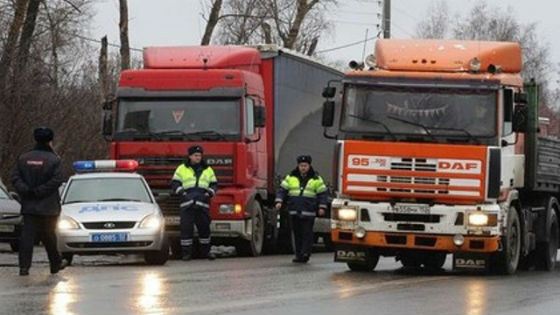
483	219
152	221
230	208
347	214
67	223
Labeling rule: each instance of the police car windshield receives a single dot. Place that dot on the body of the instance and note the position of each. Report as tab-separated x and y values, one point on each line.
106	189
189	119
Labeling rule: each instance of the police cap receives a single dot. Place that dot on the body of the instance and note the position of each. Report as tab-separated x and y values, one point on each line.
43	135
195	149
304	159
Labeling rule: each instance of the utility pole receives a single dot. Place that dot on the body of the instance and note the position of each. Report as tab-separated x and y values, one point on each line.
387	19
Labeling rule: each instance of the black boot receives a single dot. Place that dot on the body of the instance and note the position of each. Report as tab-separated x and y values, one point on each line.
187	254
24	271
60	266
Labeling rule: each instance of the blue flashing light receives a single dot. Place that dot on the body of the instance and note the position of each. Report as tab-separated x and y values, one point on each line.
84	166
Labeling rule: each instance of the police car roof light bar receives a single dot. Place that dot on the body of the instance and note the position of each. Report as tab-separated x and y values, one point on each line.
105	165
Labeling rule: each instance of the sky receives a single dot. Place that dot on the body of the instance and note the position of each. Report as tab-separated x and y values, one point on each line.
179	22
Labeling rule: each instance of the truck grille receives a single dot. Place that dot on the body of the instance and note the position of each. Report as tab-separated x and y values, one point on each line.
413	177
169	205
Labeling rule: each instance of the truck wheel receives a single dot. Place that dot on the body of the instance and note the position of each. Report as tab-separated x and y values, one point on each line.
370	265
69	257
435	261
175	247
547	251
410	261
270	245
254	246
507	261
327	241
14	245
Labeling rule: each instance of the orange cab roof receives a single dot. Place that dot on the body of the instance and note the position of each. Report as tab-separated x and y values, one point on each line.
446	55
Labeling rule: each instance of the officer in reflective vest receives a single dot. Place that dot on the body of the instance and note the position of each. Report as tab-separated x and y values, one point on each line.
305	191
196	183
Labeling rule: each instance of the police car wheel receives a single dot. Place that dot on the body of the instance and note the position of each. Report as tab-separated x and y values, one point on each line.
157	258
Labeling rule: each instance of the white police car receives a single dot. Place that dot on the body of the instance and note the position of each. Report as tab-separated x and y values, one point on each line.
106	208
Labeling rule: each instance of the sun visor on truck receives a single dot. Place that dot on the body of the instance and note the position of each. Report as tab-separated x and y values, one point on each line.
202	57
447	55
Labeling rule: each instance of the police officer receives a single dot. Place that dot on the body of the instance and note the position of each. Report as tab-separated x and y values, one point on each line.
196	183
36	178
303	189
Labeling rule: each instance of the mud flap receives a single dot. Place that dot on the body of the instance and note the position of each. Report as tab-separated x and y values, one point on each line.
351	254
471	262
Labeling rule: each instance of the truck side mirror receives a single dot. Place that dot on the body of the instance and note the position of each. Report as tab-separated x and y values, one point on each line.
328	114
521	98
329	92
521	119
107	123
260	116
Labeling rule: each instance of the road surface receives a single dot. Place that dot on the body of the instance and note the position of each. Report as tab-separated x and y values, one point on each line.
266	285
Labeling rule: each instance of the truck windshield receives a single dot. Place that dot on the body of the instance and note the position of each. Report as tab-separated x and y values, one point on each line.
411	111
107	189
192	119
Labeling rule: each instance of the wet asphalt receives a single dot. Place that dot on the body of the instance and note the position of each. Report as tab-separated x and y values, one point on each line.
265	285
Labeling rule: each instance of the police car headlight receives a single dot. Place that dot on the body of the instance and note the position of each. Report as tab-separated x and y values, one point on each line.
153	221
230	208
67	223
347	214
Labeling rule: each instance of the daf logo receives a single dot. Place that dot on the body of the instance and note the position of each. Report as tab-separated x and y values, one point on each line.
109	225
219	161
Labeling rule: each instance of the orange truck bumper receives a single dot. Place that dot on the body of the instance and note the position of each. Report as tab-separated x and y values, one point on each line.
479	244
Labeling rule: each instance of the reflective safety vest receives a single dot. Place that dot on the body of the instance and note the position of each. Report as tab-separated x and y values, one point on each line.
187	176
303	199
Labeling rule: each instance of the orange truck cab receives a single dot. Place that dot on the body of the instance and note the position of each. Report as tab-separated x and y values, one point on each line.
438	153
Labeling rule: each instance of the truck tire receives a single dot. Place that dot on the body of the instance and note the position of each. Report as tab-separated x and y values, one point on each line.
410	261
254	246
507	261
175	247
547	251
270	245
370	265
434	261
69	257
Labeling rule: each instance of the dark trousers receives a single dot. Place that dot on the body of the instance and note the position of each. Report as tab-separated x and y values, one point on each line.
303	235
38	228
199	216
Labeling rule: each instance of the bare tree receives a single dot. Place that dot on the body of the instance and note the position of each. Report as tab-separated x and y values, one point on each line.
27	33
12	39
123	27
437	23
213	20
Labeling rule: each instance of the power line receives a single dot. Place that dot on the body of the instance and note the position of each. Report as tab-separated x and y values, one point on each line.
348	45
109	44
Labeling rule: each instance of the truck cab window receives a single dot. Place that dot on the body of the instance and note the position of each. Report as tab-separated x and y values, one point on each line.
249	117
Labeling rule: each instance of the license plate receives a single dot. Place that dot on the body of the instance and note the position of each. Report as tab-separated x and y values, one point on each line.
470	261
345	255
7	228
411	209
109	237
172	220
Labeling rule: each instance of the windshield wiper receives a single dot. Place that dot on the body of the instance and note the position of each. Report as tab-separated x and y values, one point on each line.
413	124
427	128
79	201
376	122
207	133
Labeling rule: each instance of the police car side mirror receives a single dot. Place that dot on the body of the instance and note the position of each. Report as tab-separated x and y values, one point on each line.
15	196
